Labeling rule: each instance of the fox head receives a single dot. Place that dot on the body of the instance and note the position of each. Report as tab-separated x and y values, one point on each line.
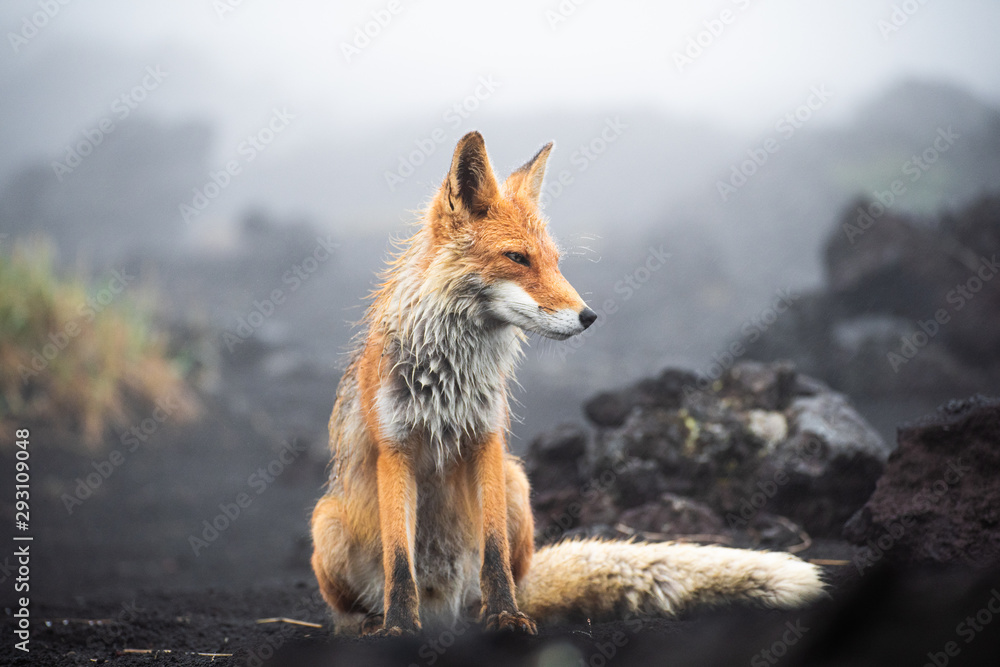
496	233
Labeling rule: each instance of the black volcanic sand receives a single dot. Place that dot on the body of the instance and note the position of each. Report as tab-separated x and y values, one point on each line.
118	582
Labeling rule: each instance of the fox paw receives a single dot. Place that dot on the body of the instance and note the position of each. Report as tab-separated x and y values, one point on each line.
510	621
395	631
372	624
381	629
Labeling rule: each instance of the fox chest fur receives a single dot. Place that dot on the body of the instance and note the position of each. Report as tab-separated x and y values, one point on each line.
444	375
446	387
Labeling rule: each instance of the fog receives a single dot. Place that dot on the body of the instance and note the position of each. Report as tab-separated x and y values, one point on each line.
231	60
121	121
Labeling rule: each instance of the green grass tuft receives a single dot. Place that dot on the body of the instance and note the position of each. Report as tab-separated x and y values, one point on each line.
65	363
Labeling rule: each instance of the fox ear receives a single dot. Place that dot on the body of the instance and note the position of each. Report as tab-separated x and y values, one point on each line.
528	179
471	184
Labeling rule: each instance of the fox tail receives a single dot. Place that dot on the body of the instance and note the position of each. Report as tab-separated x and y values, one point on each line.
605	580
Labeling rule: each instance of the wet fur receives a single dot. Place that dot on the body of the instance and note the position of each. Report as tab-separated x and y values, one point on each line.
426	516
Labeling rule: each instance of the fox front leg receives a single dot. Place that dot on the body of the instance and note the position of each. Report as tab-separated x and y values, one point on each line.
499	611
397	508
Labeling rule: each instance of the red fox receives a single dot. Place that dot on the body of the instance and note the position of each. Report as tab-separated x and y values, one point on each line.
426	515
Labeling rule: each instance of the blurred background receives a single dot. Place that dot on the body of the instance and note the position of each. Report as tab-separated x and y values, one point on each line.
195	196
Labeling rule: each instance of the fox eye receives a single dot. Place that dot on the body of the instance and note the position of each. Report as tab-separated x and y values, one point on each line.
517	258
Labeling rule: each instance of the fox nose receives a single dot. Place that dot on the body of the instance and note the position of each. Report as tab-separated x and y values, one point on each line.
587	317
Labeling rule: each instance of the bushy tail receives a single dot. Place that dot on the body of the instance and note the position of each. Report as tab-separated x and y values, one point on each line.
605	580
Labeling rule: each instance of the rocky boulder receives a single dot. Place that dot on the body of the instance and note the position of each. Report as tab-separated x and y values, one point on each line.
904	307
758	451
939	499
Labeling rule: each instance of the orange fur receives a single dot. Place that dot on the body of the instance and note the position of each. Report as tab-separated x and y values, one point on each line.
373	533
425	513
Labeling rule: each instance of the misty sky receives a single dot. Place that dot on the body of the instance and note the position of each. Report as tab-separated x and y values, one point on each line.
700	82
232	60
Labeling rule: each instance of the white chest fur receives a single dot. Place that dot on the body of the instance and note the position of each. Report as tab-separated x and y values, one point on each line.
447	383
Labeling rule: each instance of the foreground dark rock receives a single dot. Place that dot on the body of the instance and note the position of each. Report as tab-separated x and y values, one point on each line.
939	499
753	457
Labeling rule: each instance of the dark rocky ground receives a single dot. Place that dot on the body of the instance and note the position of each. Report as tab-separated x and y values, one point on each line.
122	579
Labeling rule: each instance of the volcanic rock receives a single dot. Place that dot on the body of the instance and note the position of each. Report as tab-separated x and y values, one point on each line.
939	499
681	453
